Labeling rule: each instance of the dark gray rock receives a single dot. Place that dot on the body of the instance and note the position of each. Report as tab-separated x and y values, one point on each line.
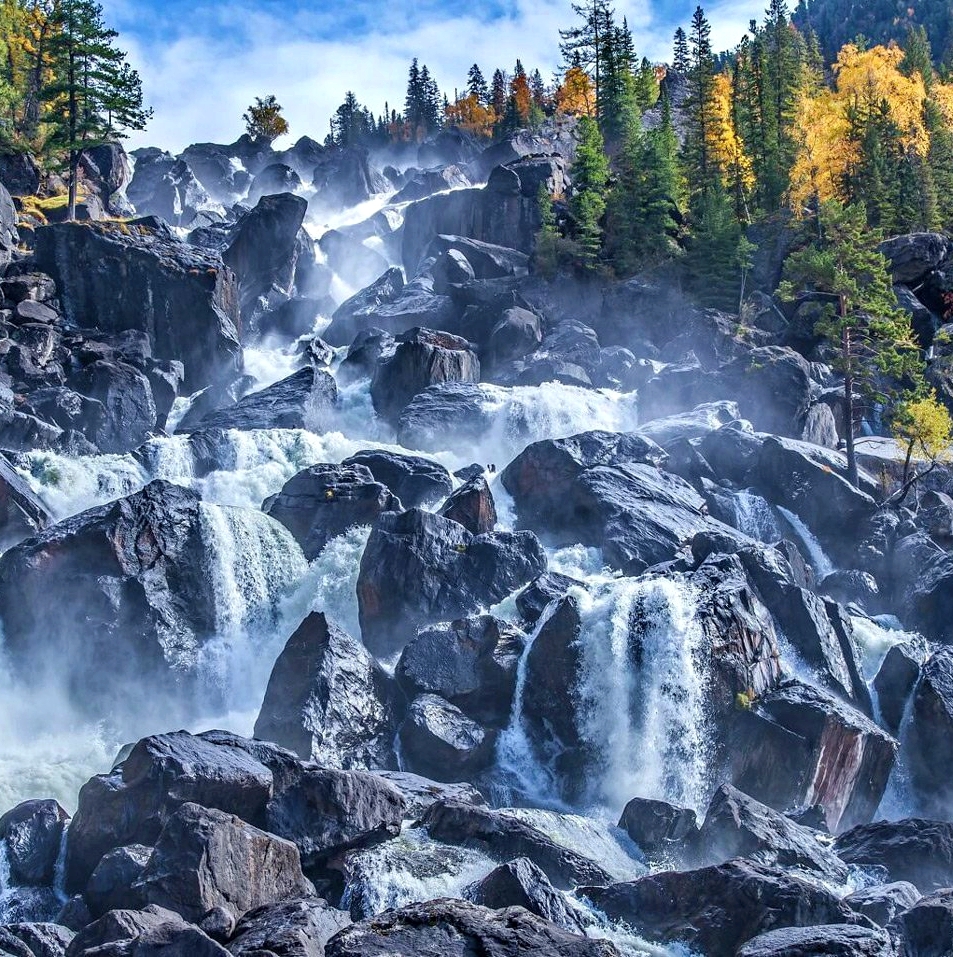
911	257
835	940
416	481
112	885
926	930
929	746
657	825
419	568
438	740
32	833
120	926
324	501
328	700
883	902
894	684
136	276
294	929
127	401
357	313
328	812
472	506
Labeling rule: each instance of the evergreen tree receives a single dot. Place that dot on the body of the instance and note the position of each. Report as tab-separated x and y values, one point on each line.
94	96
537	87
590	178
701	80
680	62
585	45
477	86
869	336
499	93
422	106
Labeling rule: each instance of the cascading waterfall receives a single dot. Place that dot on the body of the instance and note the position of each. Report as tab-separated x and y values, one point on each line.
642	692
756	517
821	564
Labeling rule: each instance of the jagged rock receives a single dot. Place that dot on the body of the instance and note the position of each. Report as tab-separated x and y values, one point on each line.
452	413
126	397
324	501
520	883
291	319
22	513
344	177
419	568
166	187
533	599
471	663
19	173
328	700
422	358
715	910
836	940
32	833
35	939
168	940
738	826
911	257
263	252
420	792
131	804
439	740
416	481
119	926
883	902
894	684
914	850
273	179
357	313
294	929
515	335
799	746
327	812
472	506
303	400
924	588
205	858
451	928
119	276
136	572
926	930
503	837
928	745
112	885
657	825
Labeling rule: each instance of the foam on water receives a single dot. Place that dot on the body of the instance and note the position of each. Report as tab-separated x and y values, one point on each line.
876	639
408	869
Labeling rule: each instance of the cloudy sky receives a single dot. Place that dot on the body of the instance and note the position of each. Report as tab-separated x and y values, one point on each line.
202	62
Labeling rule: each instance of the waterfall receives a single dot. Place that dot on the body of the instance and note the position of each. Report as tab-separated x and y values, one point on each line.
755	517
642	693
821	564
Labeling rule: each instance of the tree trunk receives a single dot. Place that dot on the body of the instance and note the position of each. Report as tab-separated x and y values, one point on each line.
73	173
852	475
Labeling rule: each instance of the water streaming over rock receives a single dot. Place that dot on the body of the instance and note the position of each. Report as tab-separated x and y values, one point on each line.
821	564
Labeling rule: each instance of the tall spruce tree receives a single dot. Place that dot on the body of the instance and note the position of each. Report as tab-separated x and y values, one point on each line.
585	45
871	339
590	178
680	62
477	85
94	96
701	81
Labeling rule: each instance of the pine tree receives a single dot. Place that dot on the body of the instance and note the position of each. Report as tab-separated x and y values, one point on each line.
701	80
93	96
585	45
870	337
499	93
590	177
680	62
477	86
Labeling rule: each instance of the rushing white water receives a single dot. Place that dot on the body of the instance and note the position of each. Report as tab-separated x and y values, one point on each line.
642	692
410	868
875	639
756	517
821	564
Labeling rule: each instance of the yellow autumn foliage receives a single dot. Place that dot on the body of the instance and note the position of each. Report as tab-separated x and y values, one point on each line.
576	95
470	115
725	145
865	80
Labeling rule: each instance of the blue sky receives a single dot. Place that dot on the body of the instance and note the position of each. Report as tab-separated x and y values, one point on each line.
203	62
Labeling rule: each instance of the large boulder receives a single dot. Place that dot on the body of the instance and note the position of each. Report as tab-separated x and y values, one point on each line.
453	413
327	812
357	265
914	850
832	940
131	804
22	512
344	177
453	928
140	574
19	173
415	480
358	313
264	251
303	400
472	506
657	825
422	358
714	910
911	258
738	826
273	179
137	276
205	858
926	929
883	902
35	939
129	408
165	187
328	700
929	741
114	884
9	236
799	746
299	928
471	662
324	501
118	927
504	837
419	568
32	835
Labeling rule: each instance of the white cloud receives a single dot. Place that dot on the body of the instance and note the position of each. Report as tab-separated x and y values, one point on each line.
200	84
